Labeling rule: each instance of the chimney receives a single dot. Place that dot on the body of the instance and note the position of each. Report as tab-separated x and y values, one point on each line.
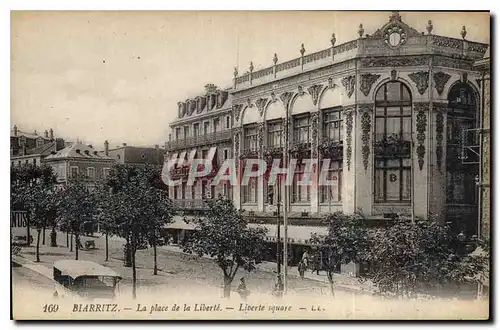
35	132
124	144
59	144
15	130
51	134
106	148
46	134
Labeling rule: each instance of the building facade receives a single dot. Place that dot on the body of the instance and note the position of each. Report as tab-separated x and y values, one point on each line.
203	130
136	155
79	160
485	150
31	148
395	113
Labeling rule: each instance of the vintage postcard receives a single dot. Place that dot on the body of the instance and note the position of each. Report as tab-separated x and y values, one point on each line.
233	165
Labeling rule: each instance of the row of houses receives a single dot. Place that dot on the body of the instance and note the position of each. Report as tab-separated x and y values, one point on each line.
71	159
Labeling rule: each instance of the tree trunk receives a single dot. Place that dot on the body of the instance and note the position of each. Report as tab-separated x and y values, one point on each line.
134	276
330	280
227	286
67	238
155	269
71	242
107	247
77	243
43	239
53	237
39	232
127	256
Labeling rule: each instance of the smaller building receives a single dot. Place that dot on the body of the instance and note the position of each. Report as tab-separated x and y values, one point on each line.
21	142
133	155
80	159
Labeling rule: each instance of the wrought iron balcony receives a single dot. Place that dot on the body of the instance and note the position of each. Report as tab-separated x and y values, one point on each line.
200	140
393	145
331	149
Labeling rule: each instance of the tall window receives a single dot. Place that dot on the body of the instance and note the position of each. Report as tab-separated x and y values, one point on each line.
177	133
228	122
105	172
300	193
250	191
250	142
332	192
74	172
274	134
301	129
90	172
393	113
461	116
206	128
183	191
216	125
186	132
193	190
332	125
196	129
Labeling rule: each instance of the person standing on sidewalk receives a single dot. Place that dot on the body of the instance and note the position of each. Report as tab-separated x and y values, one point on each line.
242	289
301	267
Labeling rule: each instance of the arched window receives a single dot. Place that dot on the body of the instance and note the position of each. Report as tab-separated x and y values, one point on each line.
393	143
460	173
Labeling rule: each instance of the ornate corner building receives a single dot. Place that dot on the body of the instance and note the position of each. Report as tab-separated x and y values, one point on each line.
397	114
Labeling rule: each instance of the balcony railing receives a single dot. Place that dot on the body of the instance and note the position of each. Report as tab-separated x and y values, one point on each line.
200	140
393	145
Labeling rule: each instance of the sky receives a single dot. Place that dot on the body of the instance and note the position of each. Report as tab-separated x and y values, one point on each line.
117	76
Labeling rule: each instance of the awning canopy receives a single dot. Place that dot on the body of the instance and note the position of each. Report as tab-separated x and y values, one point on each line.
296	234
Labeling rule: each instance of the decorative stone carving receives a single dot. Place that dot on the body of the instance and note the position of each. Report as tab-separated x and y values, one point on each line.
261	104
367	80
464	77
421	79
446	42
349	125
235	72
275	58
421	109
285	98
314	91
366	126
429	27
361	31
237	135
314	134
377	62
330	83
300	90
394	74
452	62
478	81
249	103
463	33
331	149
349	83
273	97
260	137
237	111
440	110
440	80
302	50
333	39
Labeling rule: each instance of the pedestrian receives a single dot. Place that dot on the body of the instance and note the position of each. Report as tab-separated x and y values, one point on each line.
301	268
242	289
305	258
